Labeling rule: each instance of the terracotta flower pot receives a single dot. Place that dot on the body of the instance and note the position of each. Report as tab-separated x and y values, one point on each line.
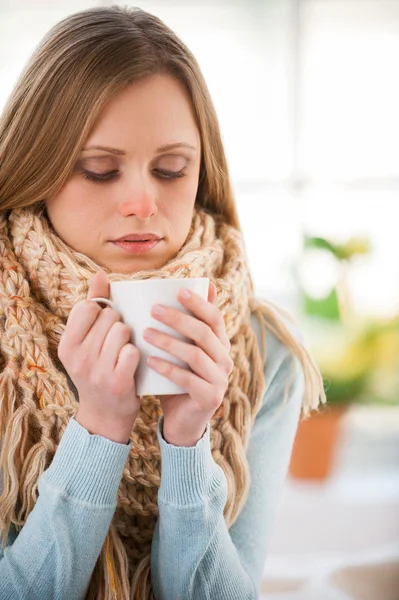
315	443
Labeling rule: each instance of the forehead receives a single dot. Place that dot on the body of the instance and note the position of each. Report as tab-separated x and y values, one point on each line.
147	114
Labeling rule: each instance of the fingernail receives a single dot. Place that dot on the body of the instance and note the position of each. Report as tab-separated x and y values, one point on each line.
149	334
184	293
158	310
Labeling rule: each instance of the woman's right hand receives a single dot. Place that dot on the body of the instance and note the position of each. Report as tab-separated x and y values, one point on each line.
96	351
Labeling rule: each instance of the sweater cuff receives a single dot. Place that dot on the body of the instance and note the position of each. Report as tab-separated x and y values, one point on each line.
188	475
87	467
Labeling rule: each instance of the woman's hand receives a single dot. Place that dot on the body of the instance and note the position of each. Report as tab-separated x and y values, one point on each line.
96	351
186	415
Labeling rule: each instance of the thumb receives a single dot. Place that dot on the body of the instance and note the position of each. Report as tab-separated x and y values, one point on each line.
99	286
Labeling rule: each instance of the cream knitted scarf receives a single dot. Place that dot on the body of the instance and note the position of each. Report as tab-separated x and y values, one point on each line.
40	280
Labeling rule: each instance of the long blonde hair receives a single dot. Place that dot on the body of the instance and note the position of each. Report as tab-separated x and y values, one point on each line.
81	63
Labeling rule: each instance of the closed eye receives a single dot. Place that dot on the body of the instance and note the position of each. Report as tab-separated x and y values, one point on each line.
112	175
100	177
170	174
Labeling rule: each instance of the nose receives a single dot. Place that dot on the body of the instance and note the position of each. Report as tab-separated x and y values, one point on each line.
140	201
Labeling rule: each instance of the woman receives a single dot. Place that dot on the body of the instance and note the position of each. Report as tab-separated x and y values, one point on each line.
111	131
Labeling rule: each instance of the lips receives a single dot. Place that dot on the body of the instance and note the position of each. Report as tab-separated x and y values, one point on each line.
138	237
138	247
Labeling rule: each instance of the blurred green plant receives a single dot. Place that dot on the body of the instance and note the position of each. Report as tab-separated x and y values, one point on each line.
358	358
353	247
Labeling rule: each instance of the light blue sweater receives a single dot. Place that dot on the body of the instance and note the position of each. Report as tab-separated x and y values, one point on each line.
194	556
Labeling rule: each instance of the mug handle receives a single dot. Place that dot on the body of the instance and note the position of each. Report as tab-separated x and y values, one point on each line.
105	300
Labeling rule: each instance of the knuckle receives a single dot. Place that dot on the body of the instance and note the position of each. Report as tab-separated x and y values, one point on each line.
81	366
229	366
79	306
167	342
134	354
88	306
133	349
224	384
207	335
169	369
195	354
111	314
188	379
82	312
120	328
216	398
218	320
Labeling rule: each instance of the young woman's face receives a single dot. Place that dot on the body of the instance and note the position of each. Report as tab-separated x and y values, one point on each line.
133	184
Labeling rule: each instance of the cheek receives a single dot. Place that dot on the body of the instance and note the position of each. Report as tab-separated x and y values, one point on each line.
186	193
178	206
77	198
74	210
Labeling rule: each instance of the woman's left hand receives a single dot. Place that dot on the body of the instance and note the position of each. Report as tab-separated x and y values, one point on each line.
186	415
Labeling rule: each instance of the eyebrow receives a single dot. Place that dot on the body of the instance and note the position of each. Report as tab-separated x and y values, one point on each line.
159	150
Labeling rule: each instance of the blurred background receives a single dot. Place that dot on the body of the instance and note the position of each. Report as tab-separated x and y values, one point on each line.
307	93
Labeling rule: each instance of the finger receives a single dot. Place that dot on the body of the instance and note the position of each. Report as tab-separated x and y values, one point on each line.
128	360
194	357
205	394
204	312
118	336
80	321
208	313
212	295
95	339
196	330
84	314
99	286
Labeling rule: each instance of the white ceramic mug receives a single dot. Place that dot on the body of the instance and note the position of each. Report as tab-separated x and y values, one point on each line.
133	300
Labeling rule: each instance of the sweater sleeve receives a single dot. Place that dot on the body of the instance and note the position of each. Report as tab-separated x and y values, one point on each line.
194	555
55	553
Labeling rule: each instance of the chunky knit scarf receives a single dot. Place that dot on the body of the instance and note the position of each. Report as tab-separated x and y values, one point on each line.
41	278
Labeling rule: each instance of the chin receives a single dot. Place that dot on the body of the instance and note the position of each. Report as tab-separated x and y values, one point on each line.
133	266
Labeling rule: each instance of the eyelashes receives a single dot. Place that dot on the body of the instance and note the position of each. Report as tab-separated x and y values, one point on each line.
112	175
100	177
